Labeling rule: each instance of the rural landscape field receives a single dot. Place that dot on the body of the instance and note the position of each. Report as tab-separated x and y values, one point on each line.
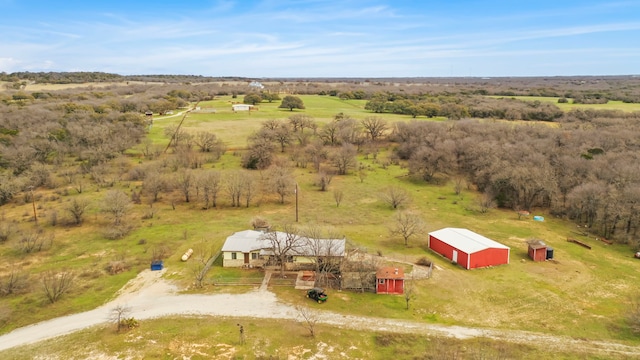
101	175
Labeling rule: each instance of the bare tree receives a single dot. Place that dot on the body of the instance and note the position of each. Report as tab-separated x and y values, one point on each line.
249	187
344	158
118	315
154	184
308	318
284	244
316	153
282	135
337	196
185	182
280	180
202	252
234	186
116	204
35	240
56	284
208	142
407	225
210	181
326	251
15	282
395	196
77	208
486	202
7	229
324	179
374	126
409	290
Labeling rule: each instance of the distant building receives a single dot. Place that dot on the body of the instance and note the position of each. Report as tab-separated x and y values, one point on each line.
241	107
256	85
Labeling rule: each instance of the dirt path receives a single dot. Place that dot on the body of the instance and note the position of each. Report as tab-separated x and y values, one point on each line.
150	296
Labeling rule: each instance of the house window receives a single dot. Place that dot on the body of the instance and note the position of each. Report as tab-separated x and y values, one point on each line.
254	256
381	281
234	256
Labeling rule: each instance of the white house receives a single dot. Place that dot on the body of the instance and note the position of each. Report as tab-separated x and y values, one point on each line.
241	107
252	248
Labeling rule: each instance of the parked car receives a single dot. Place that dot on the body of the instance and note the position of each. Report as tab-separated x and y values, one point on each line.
317	294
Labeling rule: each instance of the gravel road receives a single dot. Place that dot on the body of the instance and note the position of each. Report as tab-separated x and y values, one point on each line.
150	296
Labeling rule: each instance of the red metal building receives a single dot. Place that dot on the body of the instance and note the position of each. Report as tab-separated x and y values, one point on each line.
468	249
390	280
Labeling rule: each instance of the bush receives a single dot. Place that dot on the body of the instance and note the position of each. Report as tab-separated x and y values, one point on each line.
423	261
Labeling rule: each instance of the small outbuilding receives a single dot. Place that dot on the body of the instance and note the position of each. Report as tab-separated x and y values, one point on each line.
537	250
468	249
241	107
390	280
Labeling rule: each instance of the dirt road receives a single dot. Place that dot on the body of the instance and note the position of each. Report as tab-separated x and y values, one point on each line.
150	296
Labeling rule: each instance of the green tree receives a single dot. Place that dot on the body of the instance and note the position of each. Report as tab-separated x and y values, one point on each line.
291	102
252	99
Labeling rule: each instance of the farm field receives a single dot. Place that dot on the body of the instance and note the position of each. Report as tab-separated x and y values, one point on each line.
611	105
582	294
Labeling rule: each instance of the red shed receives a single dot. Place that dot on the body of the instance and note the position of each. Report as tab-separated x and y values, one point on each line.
537	250
467	248
390	280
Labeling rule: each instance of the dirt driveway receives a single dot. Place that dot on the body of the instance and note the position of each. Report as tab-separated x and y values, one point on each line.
150	296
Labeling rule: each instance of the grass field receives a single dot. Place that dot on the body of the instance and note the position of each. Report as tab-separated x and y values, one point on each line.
611	105
207	338
582	294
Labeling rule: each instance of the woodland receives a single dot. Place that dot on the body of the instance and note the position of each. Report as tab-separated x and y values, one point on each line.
98	176
579	164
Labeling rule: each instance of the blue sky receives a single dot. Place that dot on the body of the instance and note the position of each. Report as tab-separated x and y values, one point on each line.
319	38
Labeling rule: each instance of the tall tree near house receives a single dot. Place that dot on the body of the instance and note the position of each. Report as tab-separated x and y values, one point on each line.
374	126
407	224
284	244
324	251
291	102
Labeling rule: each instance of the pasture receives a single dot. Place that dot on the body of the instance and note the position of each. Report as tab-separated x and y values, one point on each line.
582	293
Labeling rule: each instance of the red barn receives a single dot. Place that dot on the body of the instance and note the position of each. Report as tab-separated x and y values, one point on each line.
390	280
468	249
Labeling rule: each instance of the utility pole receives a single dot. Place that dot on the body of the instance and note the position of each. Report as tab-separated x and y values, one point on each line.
296	191
33	200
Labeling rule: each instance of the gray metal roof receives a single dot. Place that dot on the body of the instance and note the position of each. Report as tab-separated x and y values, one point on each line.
252	240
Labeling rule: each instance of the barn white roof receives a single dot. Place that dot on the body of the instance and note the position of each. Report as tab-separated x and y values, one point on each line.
466	240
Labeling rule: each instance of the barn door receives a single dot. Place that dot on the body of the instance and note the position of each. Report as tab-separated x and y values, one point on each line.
454	257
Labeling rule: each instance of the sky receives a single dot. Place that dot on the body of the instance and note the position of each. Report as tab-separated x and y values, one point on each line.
321	38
